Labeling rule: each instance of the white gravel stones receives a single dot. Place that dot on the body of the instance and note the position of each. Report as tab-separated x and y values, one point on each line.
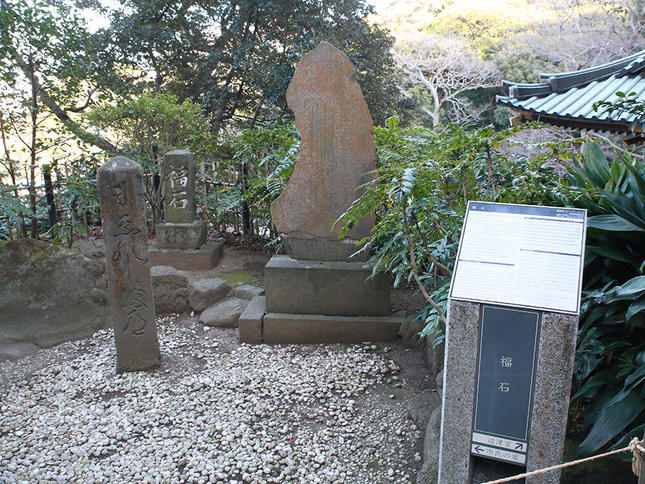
245	414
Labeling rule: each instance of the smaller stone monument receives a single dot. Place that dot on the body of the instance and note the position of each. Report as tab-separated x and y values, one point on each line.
318	293
181	240
130	296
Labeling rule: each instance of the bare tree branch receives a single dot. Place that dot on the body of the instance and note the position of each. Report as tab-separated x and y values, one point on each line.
446	68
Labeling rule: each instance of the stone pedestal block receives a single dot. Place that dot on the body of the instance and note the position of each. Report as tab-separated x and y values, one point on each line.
181	235
258	326
204	258
316	328
325	288
250	321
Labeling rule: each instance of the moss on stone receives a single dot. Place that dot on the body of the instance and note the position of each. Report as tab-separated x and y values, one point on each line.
238	277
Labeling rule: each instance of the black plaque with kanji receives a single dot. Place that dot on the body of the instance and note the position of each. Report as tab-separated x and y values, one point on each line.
505	373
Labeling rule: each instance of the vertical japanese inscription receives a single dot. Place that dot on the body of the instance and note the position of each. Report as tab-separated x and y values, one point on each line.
178	174
126	253
507	351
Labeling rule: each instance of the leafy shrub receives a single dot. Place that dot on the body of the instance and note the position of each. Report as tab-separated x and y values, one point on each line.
420	192
12	209
254	167
610	359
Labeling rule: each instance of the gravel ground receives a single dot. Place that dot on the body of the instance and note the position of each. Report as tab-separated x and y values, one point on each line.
216	411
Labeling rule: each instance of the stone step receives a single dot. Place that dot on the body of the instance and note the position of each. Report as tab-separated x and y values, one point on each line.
204	258
325	287
250	321
316	328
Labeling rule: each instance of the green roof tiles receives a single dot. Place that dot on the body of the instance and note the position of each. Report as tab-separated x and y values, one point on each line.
568	98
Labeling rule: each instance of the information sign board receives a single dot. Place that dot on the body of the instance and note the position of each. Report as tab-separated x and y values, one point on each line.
505	374
521	256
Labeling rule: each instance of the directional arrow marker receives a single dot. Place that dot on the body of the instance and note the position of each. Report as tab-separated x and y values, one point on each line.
519	446
478	449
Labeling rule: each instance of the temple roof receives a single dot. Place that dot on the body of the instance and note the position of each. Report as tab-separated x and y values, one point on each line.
567	99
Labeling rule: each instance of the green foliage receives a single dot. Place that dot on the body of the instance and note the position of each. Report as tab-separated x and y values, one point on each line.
11	208
258	163
610	359
151	124
78	198
629	104
420	192
242	67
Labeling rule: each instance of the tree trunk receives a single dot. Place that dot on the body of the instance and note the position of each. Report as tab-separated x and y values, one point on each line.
436	108
49	194
22	229
32	167
246	212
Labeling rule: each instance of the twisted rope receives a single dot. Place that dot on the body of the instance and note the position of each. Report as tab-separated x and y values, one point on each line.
635	446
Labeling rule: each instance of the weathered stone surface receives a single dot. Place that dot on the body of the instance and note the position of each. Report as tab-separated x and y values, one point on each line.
248	291
462	341
225	313
315	328
204	258
439	381
14	351
556	354
170	288
434	354
428	472
50	294
303	247
130	296
250	321
207	292
336	151
178	186
422	405
409	332
190	235
327	288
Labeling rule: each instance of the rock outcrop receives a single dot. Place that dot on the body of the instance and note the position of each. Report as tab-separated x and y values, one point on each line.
49	294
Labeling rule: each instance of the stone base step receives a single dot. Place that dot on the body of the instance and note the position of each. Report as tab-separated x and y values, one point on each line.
325	287
257	326
204	258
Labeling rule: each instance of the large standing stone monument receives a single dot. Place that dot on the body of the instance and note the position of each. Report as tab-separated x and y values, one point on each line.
317	293
181	240
510	341
126	253
336	153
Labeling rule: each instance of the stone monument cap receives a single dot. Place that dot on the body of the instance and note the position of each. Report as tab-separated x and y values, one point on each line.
120	163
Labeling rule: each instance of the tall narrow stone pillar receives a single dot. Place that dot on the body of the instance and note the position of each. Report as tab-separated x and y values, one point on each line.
130	297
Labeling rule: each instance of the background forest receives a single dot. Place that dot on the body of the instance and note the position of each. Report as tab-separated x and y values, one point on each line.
83	80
